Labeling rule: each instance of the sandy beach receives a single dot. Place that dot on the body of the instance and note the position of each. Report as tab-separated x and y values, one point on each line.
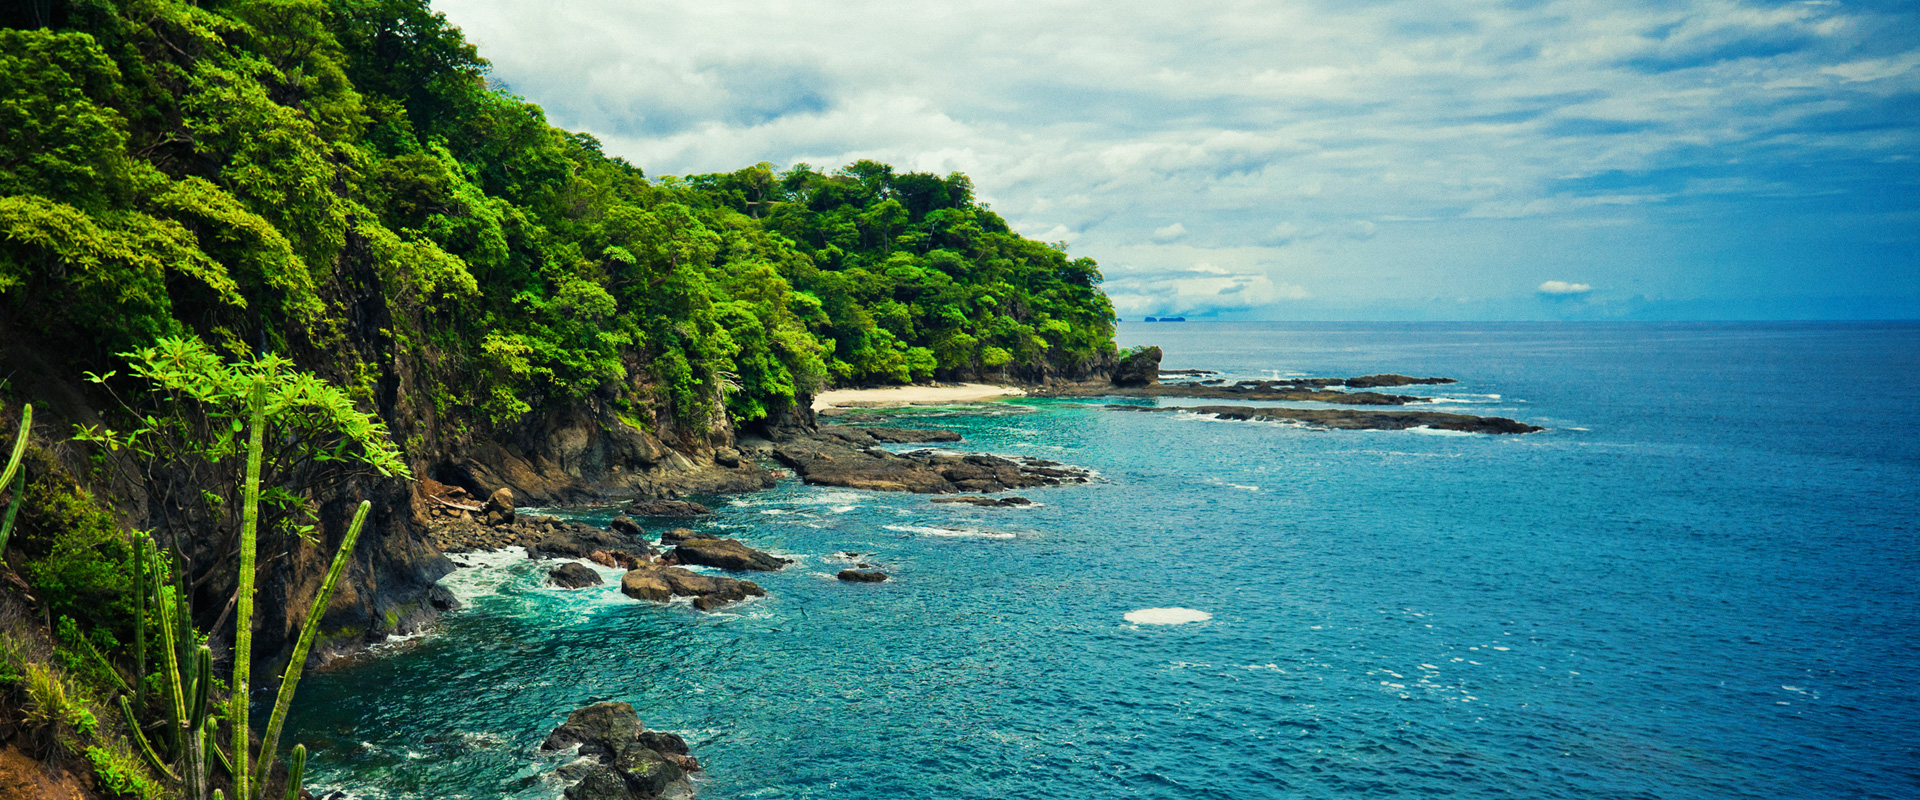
913	395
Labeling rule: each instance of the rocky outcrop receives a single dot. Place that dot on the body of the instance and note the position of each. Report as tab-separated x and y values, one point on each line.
829	459
867	436
986	502
499	507
543	537
658	584
574	455
728	554
620	758
861	576
1350	419
675	536
1138	368
574	575
1316	390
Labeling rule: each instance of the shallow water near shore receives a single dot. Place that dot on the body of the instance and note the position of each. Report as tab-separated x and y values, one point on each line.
1699	582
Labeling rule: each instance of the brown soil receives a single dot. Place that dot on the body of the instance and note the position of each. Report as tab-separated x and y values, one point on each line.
22	778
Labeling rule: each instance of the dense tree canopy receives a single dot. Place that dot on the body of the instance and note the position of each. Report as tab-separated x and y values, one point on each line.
251	171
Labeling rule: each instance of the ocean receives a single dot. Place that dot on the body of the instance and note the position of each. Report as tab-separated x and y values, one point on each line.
1701	581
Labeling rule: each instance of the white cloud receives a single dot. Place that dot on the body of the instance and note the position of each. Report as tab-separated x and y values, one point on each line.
1563	288
1200	288
1093	122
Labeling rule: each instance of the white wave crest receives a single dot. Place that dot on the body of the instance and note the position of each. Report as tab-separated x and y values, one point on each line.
1167	616
956	532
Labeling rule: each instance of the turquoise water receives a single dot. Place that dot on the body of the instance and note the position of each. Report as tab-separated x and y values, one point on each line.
1700	582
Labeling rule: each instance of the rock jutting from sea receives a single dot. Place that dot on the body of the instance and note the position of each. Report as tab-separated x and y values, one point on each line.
620	759
1352	419
850	457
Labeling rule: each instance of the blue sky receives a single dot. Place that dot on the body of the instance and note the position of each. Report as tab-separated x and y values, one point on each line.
1307	160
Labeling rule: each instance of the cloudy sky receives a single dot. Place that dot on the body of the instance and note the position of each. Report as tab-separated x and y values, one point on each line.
1533	159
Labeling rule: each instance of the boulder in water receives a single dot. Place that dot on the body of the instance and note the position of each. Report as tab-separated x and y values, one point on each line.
624	760
574	575
727	554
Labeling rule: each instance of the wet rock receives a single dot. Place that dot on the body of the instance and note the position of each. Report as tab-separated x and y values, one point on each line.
831	460
727	554
1138	368
727	457
661	583
869	436
645	583
861	576
678	535
573	575
1393	379
667	508
615	559
624	759
986	502
499	507
625	526
1354	419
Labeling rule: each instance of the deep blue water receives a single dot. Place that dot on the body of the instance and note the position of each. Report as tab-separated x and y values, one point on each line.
1700	582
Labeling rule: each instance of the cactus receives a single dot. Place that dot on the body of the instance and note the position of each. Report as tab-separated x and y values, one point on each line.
140	619
15	475
243	611
191	727
296	664
296	770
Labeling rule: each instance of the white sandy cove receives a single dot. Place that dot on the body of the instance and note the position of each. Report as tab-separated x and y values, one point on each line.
914	395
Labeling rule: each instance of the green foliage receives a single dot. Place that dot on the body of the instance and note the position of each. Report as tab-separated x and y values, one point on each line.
120	773
266	173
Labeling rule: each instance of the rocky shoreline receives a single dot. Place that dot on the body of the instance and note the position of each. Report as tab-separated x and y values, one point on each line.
619	757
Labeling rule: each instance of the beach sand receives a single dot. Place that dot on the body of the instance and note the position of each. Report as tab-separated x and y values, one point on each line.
913	395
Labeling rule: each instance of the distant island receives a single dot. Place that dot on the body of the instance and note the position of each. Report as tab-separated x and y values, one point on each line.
1166	319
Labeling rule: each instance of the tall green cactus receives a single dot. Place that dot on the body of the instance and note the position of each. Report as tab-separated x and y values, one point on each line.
14	475
140	619
243	610
296	664
192	748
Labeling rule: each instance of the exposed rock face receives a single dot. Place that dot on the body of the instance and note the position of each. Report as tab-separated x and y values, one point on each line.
1319	390
645	583
986	502
543	537
861	576
1392	379
615	559
573	575
727	554
667	508
866	437
499	507
625	760
677	535
1352	419
573	454
625	526
830	460
1137	369
661	583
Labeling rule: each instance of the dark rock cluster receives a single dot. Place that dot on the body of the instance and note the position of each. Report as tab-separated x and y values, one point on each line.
986	502
847	457
1353	419
620	758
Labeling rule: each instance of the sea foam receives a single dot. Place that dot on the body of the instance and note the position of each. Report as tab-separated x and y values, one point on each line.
1167	616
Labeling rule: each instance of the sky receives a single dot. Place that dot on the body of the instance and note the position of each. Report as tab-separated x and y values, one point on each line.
1525	160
